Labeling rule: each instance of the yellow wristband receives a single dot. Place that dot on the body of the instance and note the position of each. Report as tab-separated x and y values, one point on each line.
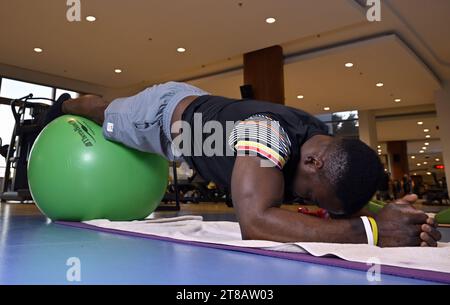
374	225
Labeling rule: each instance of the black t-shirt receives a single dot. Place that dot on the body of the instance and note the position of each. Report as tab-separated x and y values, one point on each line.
296	125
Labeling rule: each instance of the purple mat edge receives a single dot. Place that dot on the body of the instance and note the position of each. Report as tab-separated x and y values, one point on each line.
433	276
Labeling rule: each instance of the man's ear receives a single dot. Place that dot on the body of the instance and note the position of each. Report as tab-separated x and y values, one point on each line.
314	162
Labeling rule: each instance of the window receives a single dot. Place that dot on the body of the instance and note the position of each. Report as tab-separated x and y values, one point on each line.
16	89
6	130
343	124
60	92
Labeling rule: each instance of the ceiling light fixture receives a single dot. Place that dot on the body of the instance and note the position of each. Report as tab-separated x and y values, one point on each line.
379	85
349	65
327	108
419	123
426	130
38	50
398	100
427	136
181	50
91	18
300	97
271	20
118	71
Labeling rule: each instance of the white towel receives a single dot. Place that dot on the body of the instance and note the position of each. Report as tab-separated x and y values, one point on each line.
193	228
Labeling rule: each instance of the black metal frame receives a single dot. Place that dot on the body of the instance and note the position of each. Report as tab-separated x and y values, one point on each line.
177	206
25	132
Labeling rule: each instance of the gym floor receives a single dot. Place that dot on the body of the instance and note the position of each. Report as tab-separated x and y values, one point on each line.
35	251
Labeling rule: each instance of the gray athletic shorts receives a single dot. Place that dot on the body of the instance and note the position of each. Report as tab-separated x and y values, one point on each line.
143	121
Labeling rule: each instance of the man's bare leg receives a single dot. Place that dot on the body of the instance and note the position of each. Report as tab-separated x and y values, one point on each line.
89	106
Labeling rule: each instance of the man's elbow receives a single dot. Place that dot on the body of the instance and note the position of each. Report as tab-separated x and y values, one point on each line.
251	229
249	235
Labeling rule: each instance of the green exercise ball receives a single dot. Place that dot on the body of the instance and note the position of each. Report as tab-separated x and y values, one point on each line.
443	218
75	174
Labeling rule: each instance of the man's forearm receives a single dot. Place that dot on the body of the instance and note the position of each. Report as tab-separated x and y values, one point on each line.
280	225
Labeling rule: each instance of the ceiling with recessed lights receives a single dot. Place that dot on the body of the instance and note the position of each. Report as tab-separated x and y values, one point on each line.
334	57
153	41
324	81
406	128
142	37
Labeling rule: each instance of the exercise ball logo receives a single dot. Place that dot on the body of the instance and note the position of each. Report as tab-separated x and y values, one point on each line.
86	133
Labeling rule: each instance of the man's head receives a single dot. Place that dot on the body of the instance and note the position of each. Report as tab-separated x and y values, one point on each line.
339	175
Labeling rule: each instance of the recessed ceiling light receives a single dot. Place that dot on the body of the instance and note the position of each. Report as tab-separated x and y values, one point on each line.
181	50
420	123
413	157
427	136
425	163
38	50
379	85
327	108
91	18
271	20
424	148
418	164
398	100
379	146
429	174
415	174
349	65
300	97
427	144
426	130
422	151
118	71
437	159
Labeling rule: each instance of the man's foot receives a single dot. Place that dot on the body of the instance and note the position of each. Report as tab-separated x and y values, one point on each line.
55	110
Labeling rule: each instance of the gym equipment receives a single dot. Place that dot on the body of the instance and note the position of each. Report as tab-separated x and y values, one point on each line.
172	194
193	190
375	206
321	213
443	218
15	184
436	194
75	174
247	92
